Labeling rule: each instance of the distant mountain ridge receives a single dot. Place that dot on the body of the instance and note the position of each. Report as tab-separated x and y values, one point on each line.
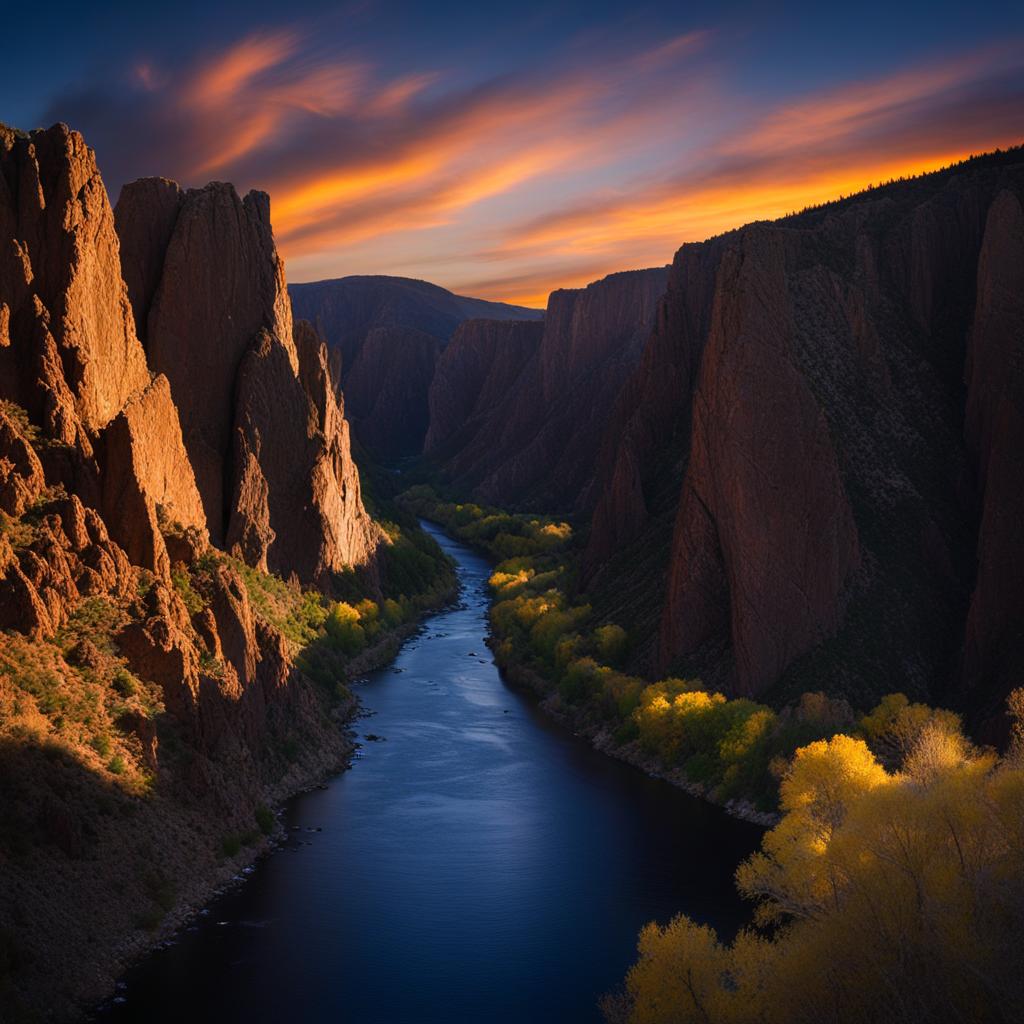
389	333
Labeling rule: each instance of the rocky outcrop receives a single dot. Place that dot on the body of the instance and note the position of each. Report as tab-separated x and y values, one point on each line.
146	215
295	504
221	283
474	376
147	483
765	542
267	437
21	473
145	672
71	357
536	444
648	431
788	463
388	333
69	556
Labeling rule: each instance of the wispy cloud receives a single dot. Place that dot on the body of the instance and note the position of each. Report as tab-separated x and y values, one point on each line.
791	156
605	159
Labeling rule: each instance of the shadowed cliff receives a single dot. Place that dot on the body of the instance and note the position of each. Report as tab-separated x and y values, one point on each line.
540	394
808	480
388	333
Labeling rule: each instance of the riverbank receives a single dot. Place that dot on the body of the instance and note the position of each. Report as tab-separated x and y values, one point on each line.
586	670
632	754
215	880
474	841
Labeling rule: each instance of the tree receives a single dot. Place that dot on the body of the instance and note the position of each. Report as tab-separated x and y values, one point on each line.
343	629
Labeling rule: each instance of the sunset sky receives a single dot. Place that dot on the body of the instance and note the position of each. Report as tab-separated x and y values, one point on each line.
503	150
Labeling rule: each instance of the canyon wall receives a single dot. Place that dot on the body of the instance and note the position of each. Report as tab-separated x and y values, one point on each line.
208	294
148	707
810	467
389	333
533	441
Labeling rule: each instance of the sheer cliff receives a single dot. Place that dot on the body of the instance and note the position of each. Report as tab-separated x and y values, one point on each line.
389	333
151	705
809	478
532	440
208	294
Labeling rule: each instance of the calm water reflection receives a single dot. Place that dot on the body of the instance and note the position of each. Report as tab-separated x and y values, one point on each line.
477	864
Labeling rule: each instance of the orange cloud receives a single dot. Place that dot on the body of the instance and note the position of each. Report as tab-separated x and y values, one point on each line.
600	159
225	77
798	155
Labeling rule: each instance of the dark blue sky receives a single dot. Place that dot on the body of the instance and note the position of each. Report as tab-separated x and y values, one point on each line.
515	148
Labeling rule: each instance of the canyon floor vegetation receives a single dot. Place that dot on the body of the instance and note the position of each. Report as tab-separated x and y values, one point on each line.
891	887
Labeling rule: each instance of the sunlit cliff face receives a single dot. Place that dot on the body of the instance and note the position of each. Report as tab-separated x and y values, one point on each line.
605	152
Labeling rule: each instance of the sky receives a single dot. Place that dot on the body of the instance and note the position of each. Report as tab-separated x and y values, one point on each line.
506	150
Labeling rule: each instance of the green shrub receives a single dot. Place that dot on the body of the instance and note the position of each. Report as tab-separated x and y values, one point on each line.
611	643
265	820
183	585
124	682
343	628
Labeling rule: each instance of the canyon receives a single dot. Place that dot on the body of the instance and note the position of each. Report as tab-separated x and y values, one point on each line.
168	437
798	468
387	335
531	438
789	464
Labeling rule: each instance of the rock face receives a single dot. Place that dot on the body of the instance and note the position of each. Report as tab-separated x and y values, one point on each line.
221	282
208	292
765	542
792	463
72	360
994	651
68	349
474	375
100	505
295	503
71	557
145	218
389	333
146	480
535	442
385	388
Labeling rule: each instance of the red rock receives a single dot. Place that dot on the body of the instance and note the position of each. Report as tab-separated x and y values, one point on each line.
538	444
236	624
74	358
794	463
474	376
650	422
994	429
159	648
296	504
765	534
221	283
266	436
147	478
21	473
145	216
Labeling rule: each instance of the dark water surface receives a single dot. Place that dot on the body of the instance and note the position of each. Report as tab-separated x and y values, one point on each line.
480	864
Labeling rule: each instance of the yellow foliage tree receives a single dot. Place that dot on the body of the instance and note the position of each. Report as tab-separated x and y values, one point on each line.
895	897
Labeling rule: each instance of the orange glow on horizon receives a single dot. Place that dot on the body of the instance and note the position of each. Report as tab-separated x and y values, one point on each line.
512	186
697	217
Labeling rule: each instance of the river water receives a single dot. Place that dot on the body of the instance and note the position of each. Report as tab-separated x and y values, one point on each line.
478	863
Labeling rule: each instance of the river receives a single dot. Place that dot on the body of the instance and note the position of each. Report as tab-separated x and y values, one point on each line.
478	863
